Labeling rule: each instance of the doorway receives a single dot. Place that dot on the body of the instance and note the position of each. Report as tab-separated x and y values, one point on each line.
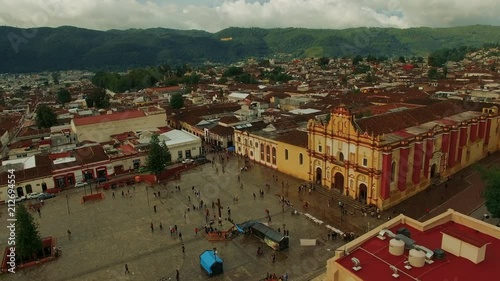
363	192
318	176
338	181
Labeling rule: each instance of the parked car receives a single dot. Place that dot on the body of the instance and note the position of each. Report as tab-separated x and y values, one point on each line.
33	195
80	184
20	199
103	179
187	161
46	196
143	169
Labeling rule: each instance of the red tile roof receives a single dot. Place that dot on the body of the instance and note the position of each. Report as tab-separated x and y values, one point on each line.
108	117
375	257
295	137
396	121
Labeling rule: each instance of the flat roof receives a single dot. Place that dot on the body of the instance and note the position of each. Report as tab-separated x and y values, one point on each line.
375	258
109	117
175	137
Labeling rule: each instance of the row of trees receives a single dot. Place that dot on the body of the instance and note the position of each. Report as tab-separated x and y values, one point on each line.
141	78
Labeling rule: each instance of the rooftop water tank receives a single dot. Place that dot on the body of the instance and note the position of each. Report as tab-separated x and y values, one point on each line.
396	247
416	258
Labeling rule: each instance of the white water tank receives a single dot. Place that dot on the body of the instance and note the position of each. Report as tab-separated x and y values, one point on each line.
396	247
416	258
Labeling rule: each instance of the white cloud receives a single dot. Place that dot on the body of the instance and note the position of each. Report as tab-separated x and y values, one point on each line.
214	15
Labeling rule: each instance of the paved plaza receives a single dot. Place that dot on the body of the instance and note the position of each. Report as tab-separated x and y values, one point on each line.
112	232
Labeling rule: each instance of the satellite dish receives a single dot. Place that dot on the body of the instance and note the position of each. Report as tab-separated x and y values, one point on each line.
395	271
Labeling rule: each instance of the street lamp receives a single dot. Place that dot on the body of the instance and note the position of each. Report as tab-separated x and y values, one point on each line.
67	204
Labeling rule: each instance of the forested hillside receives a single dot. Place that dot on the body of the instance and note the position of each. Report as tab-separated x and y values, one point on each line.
76	48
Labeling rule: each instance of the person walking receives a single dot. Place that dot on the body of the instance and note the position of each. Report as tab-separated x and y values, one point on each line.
180	235
183	249
113	195
228	212
154	208
69	234
195	231
161	226
152	227
126	269
177	274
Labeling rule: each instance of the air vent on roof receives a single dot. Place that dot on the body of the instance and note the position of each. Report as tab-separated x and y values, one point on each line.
439	254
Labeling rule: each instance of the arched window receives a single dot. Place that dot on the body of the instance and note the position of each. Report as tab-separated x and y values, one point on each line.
341	156
301	159
273	151
262	152
286	154
393	171
268	154
29	189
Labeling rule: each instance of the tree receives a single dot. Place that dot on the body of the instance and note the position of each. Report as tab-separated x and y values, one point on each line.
357	59
158	156
491	193
177	101
432	74
402	59
28	240
324	61
45	117
98	98
56	76
63	96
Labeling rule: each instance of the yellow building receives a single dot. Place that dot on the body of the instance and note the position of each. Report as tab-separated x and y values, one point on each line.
384	159
450	246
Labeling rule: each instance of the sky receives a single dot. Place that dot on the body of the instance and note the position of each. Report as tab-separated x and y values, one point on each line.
215	15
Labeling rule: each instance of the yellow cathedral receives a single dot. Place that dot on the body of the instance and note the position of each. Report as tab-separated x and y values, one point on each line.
383	159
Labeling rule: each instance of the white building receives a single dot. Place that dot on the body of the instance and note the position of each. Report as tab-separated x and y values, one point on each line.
181	144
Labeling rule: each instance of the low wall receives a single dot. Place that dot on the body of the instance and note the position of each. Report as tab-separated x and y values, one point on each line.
92	197
46	242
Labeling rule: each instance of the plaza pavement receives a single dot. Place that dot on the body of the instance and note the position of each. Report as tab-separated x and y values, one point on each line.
112	232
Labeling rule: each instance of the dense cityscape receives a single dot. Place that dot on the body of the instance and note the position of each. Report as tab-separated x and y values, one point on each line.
261	165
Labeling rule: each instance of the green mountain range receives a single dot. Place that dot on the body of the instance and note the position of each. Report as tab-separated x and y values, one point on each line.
63	48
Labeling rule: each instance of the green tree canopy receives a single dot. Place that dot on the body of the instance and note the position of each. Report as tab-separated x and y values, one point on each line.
63	96
45	116
177	101
28	240
158	156
491	193
98	98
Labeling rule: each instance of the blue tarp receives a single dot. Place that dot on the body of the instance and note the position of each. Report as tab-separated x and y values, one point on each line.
211	263
231	148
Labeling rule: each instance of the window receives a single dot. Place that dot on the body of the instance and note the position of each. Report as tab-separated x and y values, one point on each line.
268	154
286	154
320	148
179	154
239	139
393	171
341	156
262	152
251	143
301	159
256	144
365	162
273	151
246	142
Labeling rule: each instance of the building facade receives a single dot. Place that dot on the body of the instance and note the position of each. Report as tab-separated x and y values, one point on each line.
382	160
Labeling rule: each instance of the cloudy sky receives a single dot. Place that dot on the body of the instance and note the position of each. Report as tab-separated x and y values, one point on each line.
214	15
